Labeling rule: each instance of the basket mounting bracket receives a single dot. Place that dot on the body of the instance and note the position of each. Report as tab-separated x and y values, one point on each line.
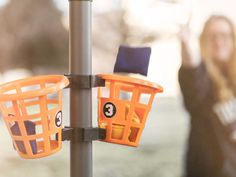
83	134
84	81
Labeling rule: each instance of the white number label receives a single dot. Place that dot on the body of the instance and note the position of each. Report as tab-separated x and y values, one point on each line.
58	119
109	110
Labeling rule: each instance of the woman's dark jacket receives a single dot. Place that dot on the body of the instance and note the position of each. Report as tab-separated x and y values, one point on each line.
208	149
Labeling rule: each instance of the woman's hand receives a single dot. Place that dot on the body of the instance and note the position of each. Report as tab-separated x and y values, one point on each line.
190	55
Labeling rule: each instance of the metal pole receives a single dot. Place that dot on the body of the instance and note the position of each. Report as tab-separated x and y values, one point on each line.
80	99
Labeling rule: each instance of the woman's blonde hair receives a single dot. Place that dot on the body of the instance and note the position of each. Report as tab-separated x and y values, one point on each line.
224	83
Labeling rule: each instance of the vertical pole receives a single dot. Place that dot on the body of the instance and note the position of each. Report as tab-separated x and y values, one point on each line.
80	99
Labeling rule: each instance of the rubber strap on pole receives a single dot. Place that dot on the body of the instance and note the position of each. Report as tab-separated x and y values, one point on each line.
83	134
84	81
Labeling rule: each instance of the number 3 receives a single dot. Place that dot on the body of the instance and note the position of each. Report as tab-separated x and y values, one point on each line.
109	110
58	119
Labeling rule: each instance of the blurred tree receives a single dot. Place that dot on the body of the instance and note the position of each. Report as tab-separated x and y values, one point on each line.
110	30
32	36
114	26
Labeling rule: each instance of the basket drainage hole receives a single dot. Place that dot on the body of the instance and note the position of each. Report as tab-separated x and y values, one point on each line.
124	95
144	98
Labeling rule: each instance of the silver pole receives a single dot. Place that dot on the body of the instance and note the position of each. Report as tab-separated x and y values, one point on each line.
80	99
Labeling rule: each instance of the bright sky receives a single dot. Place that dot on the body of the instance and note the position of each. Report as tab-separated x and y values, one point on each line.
159	16
2	2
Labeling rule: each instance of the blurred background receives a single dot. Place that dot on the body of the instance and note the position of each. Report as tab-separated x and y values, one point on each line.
34	40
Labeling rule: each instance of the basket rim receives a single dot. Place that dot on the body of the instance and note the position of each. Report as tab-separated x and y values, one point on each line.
132	80
62	83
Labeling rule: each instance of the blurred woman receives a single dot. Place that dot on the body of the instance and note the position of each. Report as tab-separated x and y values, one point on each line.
208	85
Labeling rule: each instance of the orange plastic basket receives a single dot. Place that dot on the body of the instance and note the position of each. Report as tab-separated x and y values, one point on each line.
32	111
123	107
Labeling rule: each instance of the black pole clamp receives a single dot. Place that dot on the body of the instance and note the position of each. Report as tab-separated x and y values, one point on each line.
83	134
84	81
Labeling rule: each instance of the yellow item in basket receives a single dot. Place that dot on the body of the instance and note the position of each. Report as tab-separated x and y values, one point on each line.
118	130
135	118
